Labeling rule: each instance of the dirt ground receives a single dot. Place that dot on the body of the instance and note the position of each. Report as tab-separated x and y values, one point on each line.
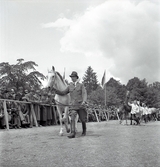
107	144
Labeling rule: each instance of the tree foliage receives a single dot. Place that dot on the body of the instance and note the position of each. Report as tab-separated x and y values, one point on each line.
97	96
22	74
153	95
140	90
115	92
90	80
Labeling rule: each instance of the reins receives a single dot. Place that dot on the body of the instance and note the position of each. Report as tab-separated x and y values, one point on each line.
66	105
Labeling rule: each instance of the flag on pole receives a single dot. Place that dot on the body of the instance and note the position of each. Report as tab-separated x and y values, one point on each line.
64	74
103	79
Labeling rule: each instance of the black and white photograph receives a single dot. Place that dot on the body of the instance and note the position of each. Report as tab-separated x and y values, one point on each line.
79	83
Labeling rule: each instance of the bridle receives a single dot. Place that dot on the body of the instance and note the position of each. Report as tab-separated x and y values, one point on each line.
52	88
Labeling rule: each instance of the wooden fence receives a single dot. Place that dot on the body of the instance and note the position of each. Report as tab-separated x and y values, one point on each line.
33	112
23	102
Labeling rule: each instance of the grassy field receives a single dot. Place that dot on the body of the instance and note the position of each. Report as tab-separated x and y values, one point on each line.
107	144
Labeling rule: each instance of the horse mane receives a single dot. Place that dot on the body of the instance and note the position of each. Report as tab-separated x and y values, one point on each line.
60	76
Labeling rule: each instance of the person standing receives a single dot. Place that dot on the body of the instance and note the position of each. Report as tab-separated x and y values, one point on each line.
78	96
134	110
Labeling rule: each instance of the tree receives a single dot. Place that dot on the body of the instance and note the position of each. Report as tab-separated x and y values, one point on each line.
90	80
153	95
148	94
138	88
97	96
20	75
115	92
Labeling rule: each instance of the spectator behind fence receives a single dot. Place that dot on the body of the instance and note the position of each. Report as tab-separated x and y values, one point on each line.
36	105
43	109
18	115
49	109
26	112
15	121
29	98
19	94
1	109
11	111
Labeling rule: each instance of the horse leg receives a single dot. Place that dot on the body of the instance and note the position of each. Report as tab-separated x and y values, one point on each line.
73	116
76	121
126	118
120	118
138	118
147	118
155	116
65	119
131	119
60	120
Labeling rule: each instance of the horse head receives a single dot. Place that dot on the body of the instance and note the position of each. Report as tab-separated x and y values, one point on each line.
55	80
51	77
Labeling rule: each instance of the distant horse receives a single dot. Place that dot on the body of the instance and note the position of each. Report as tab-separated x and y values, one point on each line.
153	113
56	81
124	110
139	115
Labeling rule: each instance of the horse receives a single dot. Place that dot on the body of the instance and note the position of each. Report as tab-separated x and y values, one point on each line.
55	80
124	110
139	114
153	113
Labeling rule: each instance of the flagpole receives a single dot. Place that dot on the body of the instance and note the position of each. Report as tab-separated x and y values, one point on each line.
64	73
105	95
103	83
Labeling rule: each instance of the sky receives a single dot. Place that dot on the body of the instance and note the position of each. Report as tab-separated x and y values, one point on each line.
119	36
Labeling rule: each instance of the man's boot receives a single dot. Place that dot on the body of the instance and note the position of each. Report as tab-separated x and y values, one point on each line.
72	134
83	128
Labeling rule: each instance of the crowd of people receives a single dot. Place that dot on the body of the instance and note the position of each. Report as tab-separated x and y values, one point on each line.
144	111
101	113
20	114
138	111
19	110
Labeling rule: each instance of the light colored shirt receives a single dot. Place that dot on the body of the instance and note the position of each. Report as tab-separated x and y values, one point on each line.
145	110
134	108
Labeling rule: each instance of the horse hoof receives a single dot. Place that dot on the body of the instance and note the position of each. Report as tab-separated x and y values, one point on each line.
61	133
68	130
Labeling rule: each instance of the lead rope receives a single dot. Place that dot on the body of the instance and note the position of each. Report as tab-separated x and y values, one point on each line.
61	104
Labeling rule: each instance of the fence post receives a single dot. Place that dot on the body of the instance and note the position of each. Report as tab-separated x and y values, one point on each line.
105	115
96	115
117	115
5	114
108	115
34	116
55	114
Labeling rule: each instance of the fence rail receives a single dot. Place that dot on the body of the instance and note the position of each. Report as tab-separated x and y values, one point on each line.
23	102
31	103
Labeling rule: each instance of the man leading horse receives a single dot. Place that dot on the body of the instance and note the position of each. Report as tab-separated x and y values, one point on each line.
78	96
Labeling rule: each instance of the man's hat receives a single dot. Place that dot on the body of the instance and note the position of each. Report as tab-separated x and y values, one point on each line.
74	74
